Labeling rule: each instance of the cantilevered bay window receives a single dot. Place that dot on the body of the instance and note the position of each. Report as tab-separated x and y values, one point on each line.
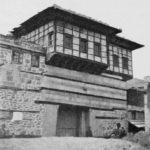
120	60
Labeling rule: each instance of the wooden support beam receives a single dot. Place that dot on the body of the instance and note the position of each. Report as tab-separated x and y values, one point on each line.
98	69
57	61
81	66
64	62
88	67
61	61
75	64
72	64
78	68
93	69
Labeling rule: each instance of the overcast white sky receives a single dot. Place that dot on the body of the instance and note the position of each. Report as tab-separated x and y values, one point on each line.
132	16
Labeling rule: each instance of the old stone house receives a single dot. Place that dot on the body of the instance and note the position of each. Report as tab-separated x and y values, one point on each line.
63	72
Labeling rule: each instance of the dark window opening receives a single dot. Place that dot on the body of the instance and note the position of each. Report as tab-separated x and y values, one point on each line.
83	45
17	57
116	60
133	115
97	49
34	60
68	41
124	63
50	38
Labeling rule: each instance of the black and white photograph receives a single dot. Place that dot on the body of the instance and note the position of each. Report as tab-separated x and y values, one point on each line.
74	75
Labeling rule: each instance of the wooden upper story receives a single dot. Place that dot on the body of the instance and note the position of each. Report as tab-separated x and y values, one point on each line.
77	42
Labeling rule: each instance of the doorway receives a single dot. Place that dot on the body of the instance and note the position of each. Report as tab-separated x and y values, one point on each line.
70	120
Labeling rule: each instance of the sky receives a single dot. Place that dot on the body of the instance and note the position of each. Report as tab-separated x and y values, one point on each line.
132	16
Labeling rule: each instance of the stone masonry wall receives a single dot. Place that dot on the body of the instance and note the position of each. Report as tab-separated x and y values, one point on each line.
20	115
103	122
5	55
21	101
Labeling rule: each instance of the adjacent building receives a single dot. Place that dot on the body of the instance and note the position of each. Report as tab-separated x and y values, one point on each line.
63	72
135	104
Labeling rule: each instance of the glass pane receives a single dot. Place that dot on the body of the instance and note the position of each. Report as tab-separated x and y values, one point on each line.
97	50
116	60
83	45
68	41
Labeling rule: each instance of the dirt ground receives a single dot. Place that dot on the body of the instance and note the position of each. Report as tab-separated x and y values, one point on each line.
66	143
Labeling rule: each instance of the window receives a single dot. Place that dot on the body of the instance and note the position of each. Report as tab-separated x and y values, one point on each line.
34	60
83	45
50	38
97	49
17	57
116	60
68	41
133	115
124	63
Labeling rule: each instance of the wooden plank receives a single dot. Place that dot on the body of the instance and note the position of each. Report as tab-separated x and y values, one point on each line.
83	88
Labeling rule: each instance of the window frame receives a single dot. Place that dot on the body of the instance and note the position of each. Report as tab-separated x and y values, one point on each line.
98	52
50	38
125	63
115	60
19	58
85	50
133	115
68	41
33	62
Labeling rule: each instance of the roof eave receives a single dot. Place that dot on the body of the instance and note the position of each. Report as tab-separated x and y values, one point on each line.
125	43
52	13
